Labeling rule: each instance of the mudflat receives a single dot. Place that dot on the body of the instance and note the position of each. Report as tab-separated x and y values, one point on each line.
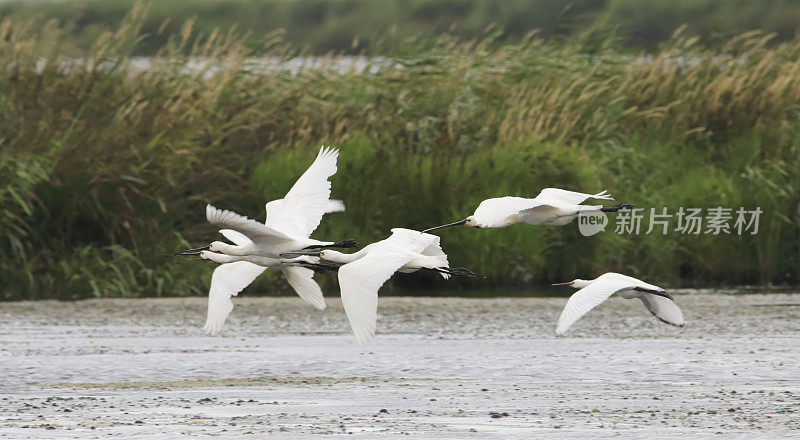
439	368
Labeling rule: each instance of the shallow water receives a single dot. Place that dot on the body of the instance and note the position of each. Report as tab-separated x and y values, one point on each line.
440	368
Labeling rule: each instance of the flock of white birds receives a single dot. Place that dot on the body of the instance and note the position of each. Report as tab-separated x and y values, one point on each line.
284	242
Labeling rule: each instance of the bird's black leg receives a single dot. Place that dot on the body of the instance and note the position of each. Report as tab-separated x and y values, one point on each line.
338	244
456	271
346	244
321	267
617	207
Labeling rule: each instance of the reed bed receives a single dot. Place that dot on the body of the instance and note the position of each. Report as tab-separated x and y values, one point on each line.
105	167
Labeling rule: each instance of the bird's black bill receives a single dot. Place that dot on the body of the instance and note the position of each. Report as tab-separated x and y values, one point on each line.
195	251
444	226
562	284
301	253
322	267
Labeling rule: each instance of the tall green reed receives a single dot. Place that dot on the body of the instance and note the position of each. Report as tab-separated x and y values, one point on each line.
106	167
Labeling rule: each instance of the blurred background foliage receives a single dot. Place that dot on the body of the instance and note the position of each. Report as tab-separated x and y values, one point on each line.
358	26
105	165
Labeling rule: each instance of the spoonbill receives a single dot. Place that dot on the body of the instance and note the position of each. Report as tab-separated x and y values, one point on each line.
364	272
257	246
552	207
593	292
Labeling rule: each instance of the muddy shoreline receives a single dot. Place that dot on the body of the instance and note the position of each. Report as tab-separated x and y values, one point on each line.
440	368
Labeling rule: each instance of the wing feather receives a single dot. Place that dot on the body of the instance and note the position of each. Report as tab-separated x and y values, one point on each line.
502	207
301	210
227	280
554	213
359	282
584	300
541	212
301	280
256	232
434	249
421	243
571	197
412	240
663	308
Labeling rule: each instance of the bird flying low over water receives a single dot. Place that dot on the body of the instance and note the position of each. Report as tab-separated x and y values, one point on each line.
593	292
363	272
258	246
552	207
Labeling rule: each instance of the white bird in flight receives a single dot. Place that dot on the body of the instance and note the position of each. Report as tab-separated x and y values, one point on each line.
552	207
593	292
362	273
257	246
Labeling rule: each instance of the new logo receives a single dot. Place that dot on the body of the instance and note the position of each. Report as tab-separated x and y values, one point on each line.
592	222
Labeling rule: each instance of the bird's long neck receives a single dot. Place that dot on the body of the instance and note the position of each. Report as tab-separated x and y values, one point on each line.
218	258
342	258
580	284
229	249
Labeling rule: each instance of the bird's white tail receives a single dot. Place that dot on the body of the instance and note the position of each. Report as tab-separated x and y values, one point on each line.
334	206
604	195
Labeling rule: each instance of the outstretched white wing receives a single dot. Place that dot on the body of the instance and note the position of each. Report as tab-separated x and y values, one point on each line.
588	298
421	243
301	280
412	240
502	207
301	210
544	213
359	282
227	280
254	231
663	308
571	197
435	250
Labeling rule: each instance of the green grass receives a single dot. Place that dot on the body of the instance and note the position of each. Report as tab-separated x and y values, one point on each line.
104	168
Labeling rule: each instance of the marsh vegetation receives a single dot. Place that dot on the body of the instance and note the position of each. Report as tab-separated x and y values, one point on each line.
104	167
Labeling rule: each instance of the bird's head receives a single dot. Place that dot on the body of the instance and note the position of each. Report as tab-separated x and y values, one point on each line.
217	246
339	257
217	257
471	222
